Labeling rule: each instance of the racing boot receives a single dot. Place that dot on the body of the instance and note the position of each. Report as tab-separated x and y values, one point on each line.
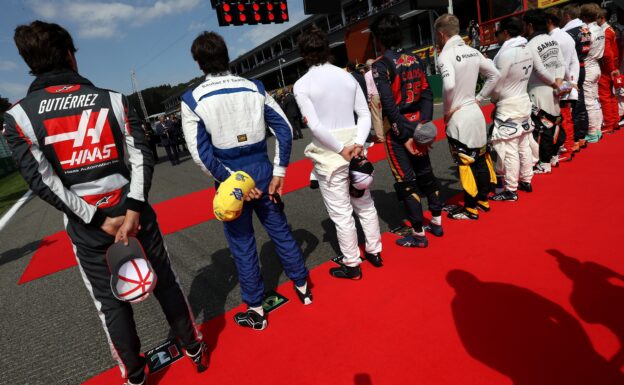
413	240
305	298
464	213
542	168
348	272
137	381
505	196
251	319
374	259
199	356
525	186
434	229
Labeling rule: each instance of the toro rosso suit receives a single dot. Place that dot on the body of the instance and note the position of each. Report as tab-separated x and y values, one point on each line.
224	121
406	100
69	139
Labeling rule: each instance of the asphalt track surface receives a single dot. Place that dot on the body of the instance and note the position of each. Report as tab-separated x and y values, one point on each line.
49	327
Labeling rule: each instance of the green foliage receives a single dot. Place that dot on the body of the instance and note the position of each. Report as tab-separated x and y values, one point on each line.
12	187
4	105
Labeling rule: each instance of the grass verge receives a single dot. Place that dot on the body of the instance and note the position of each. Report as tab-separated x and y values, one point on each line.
12	187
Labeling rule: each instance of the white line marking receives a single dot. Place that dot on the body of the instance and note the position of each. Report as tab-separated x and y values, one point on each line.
9	214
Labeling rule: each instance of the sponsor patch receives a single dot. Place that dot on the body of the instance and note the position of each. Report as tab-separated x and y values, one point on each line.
63	89
273	300
163	355
238	194
242	138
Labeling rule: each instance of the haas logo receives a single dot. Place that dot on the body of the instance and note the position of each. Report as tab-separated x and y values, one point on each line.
81	140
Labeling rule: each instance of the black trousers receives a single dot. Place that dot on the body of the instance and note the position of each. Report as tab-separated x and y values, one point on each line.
154	152
296	125
549	139
90	245
415	178
579	111
479	169
172	152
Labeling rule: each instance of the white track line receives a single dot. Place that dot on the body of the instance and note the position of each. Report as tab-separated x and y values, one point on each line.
9	214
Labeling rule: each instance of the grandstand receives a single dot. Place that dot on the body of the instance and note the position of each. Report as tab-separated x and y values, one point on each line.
349	36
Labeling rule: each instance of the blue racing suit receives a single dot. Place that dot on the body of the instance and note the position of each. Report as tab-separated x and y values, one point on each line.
224	121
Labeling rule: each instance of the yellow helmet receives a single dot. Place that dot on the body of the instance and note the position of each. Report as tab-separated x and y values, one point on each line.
230	197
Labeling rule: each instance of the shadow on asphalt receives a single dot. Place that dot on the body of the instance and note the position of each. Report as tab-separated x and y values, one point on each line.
392	212
330	236
212	285
19	252
271	267
209	292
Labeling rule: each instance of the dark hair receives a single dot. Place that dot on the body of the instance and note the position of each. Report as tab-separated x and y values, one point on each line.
387	28
314	46
351	66
554	15
537	18
211	53
44	46
513	25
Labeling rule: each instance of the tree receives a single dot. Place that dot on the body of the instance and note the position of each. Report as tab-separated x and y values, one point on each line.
155	96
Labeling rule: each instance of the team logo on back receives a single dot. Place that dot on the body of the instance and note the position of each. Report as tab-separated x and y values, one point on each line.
81	140
405	61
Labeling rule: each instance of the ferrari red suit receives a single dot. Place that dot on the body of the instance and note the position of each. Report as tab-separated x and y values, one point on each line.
608	64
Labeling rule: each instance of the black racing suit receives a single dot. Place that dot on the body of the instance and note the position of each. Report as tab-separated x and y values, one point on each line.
406	100
69	139
582	40
291	109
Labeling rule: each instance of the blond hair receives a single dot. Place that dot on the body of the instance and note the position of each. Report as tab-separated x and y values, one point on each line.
590	11
447	24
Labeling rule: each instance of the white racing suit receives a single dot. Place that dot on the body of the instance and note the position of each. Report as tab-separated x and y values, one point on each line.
590	86
512	121
546	111
328	97
460	66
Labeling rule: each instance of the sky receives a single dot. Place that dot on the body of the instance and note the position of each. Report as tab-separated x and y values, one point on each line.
153	37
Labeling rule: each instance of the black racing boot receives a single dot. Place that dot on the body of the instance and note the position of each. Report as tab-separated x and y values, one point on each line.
374	259
251	319
347	272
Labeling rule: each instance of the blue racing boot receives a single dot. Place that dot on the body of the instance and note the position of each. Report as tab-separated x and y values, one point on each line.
436	230
413	241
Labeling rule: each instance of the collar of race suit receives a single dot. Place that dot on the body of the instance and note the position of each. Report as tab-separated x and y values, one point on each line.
56	78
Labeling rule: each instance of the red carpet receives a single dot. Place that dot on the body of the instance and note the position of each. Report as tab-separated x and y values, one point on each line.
55	253
531	294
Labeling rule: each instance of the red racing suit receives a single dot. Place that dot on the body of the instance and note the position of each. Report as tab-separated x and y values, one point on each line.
608	64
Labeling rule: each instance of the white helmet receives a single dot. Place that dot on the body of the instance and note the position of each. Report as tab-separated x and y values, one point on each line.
132	276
